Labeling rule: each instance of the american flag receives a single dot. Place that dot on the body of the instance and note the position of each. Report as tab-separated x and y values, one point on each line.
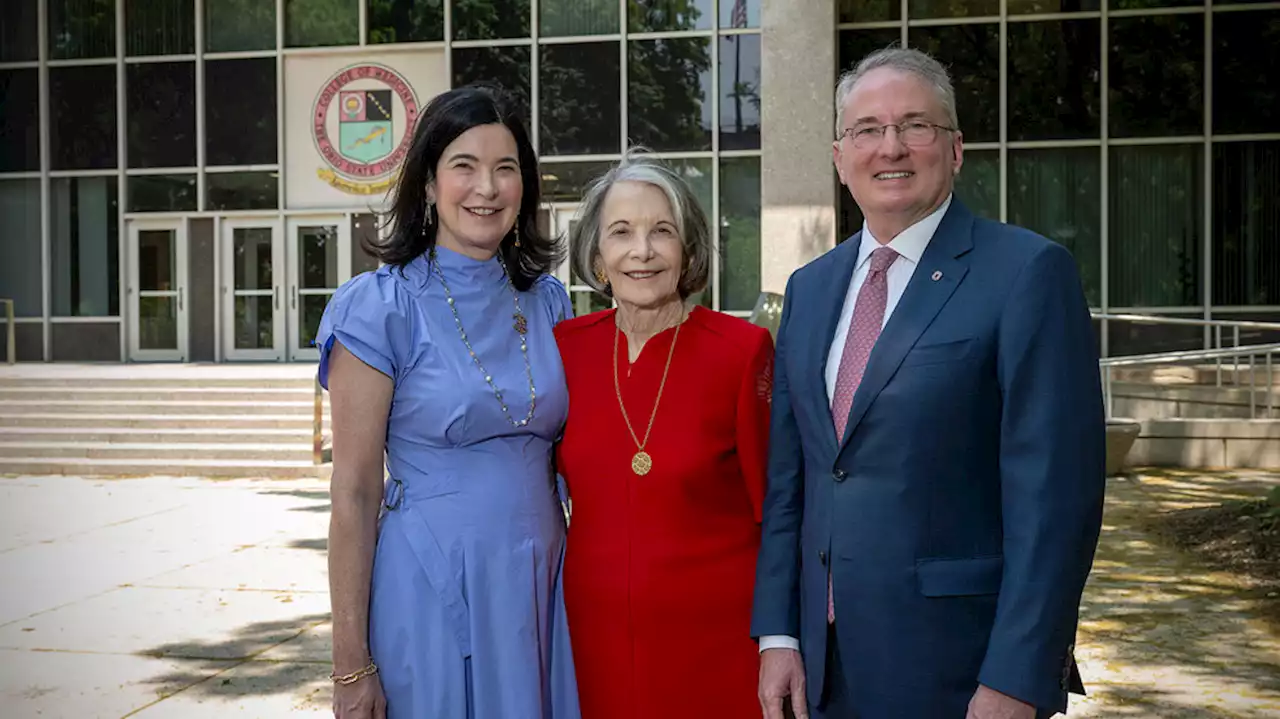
738	18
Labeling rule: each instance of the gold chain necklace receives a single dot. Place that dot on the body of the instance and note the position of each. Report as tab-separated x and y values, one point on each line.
641	462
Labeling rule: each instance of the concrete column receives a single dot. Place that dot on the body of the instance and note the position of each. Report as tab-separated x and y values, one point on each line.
798	74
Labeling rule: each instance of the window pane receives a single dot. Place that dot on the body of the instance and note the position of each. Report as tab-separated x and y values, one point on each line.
848	215
162	193
162	114
405	21
1058	193
239	25
972	55
82	117
240	112
953	8
1246	223
666	15
669	94
580	103
1246	51
560	18
1028	7
506	67
319	23
739	13
869	10
20	251
18	31
241	190
490	20
567	181
82	28
696	172
1054	75
1157	75
1156	222
857	44
19	120
1140	4
159	27
85	247
978	184
740	92
739	233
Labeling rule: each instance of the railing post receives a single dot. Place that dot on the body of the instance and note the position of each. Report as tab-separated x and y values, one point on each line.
1253	391
1271	388
317	426
1217	334
11	350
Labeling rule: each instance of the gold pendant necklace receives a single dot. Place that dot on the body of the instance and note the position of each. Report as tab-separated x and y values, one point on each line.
641	462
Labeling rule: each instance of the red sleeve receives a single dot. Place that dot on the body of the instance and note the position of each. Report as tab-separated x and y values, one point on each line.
753	421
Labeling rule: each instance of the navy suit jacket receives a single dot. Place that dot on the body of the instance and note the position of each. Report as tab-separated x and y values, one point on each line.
960	512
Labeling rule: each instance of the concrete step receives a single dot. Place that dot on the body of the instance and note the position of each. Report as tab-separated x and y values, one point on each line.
166	435
142	381
187	451
143	421
247	395
81	467
155	407
1208	375
1208	443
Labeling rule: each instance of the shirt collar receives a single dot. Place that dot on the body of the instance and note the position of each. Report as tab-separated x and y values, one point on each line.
911	242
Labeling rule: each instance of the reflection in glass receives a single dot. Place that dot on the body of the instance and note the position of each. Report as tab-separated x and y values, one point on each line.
669	94
567	181
242	190
978	184
971	53
158	323
1157	75
857	44
162	114
1054	80
392	21
1043	7
739	233
321	23
84	248
240	111
1058	194
318	257
310	311
587	301
953	8
580	106
82	117
490	20
239	25
19	120
19	31
1246	51
869	10
157	260
506	66
254	262
1246	223
740	92
254	322
159	27
696	172
669	15
739	13
562	18
20	260
1156	223
1143	4
162	193
81	29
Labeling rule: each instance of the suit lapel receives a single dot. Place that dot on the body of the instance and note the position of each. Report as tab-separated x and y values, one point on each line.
825	321
923	299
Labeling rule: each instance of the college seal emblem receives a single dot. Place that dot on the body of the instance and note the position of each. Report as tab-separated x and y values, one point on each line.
362	124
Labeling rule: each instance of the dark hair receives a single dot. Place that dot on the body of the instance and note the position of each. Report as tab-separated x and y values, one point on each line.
444	119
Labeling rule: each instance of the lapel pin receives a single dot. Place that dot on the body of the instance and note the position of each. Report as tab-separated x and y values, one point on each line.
937	275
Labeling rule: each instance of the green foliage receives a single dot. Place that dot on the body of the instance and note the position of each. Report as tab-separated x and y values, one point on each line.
321	23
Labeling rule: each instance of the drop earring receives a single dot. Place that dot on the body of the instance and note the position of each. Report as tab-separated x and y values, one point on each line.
601	277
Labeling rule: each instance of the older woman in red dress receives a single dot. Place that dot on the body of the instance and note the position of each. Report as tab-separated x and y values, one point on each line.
664	454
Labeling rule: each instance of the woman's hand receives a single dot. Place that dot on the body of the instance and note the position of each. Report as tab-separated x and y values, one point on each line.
361	700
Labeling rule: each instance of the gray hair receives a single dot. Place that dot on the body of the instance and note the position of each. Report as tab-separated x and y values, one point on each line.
907	60
691	221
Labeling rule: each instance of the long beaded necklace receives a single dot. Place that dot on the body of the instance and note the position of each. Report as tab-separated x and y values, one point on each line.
521	326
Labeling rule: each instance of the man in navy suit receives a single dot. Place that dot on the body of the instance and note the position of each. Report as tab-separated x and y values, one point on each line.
936	471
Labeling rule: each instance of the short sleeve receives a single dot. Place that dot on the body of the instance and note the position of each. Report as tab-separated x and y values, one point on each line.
555	298
369	315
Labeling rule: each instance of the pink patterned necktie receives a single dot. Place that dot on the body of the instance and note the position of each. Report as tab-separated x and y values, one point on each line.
864	329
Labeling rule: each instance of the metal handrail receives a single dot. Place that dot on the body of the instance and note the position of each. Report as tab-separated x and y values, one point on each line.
1249	351
1159	320
11	348
1190	355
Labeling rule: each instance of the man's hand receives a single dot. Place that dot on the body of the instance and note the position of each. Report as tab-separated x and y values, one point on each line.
990	704
782	675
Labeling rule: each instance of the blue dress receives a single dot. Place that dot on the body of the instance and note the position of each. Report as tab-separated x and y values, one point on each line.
466	616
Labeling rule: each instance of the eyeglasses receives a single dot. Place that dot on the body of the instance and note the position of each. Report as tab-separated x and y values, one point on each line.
913	133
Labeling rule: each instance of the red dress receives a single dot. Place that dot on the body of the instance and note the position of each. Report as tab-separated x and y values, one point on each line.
660	569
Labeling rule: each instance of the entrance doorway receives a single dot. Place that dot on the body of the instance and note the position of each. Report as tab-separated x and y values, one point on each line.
157	290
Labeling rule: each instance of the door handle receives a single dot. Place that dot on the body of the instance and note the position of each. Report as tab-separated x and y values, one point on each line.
180	293
277	296
295	297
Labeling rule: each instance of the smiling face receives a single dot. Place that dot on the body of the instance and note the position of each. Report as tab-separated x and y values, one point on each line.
640	248
477	190
895	184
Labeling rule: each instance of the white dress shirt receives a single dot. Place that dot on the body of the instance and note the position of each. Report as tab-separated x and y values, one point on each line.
910	245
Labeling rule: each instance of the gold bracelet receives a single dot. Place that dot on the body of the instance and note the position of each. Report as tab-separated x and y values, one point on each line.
355	676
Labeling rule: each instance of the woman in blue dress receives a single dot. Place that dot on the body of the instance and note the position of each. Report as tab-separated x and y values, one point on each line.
445	578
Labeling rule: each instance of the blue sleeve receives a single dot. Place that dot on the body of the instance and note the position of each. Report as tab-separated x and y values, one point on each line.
555	298
370	316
